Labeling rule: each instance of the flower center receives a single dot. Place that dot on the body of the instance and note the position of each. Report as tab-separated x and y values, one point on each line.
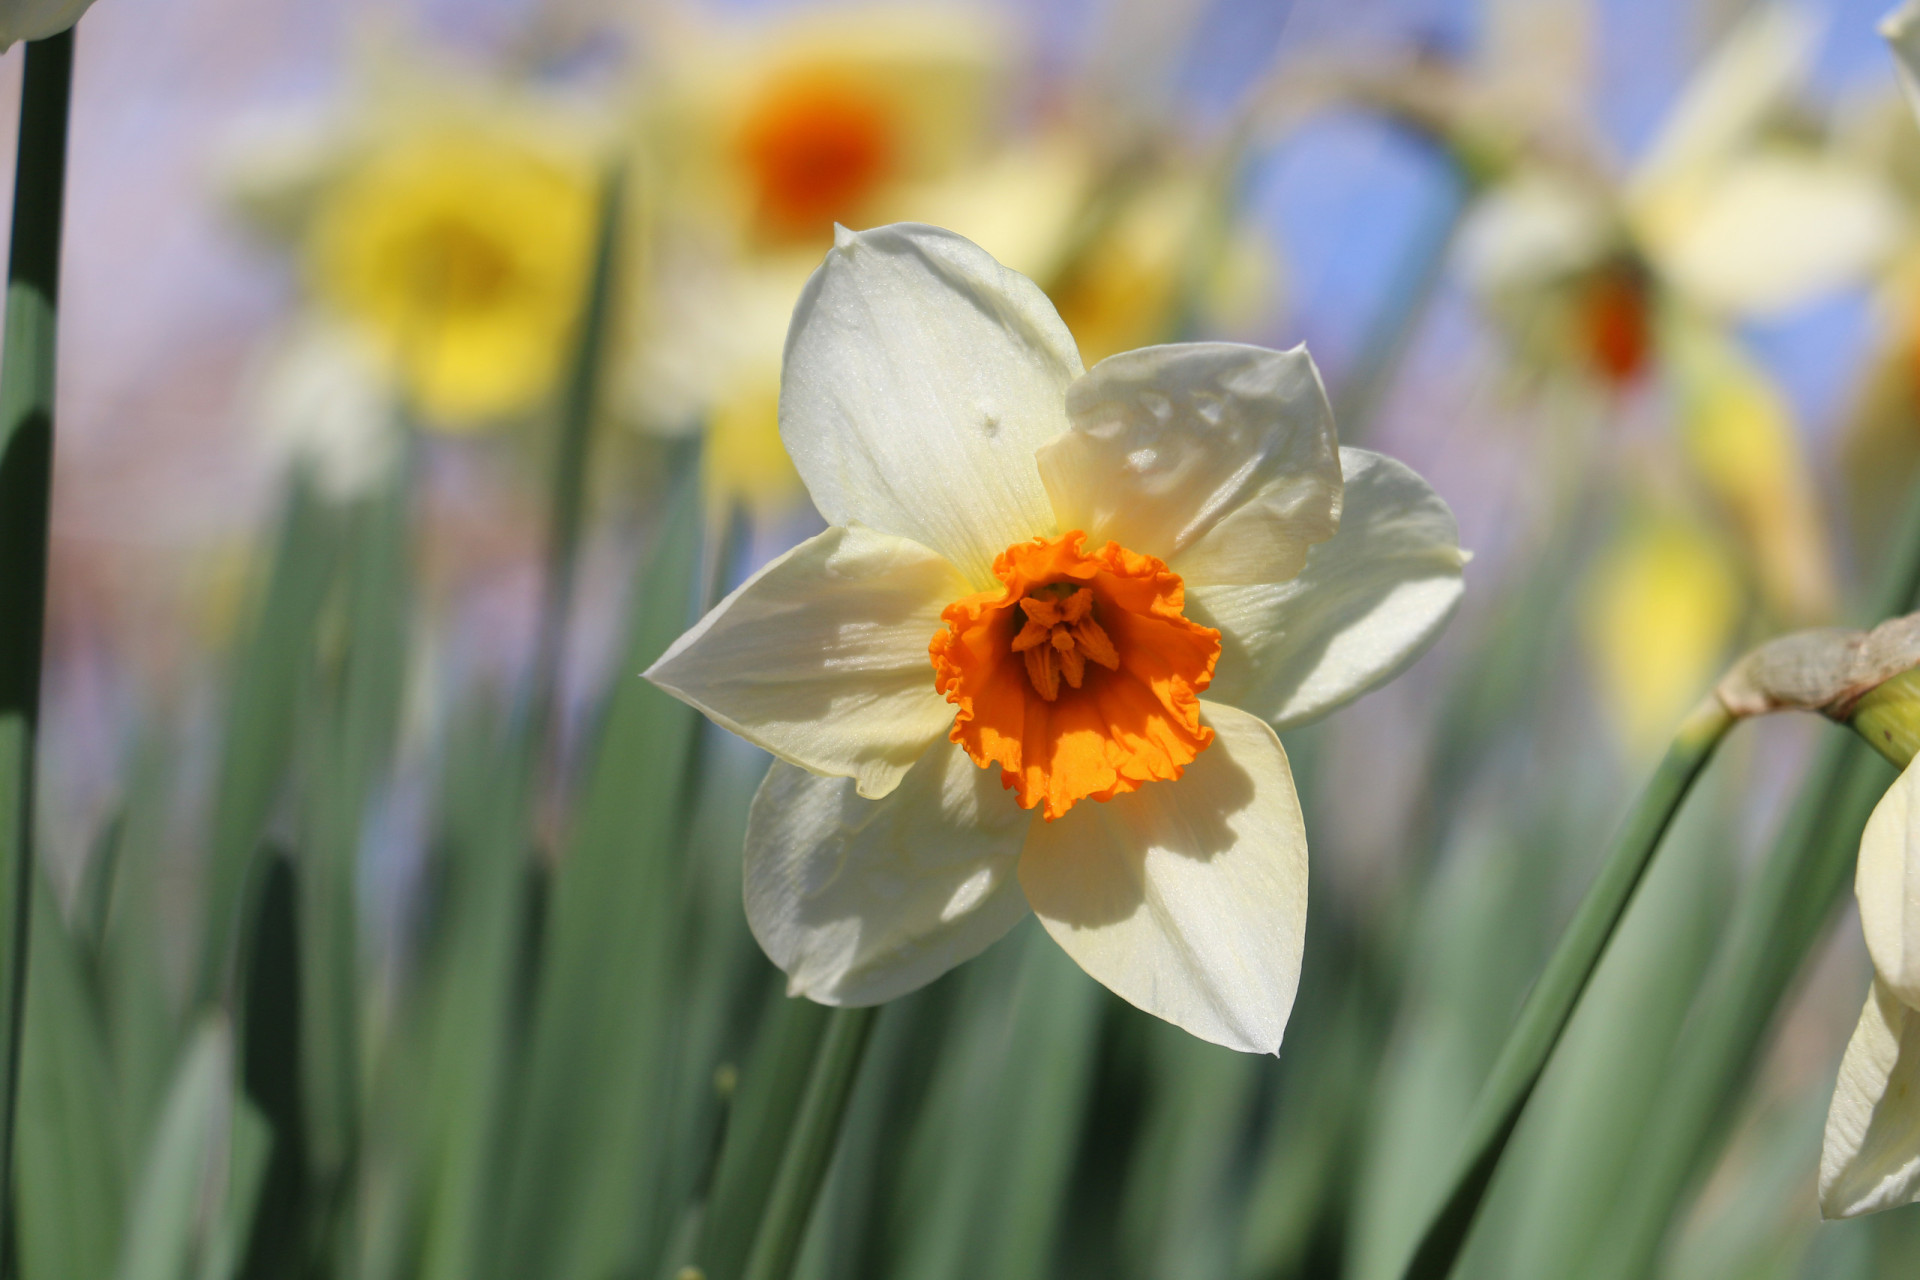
1104	695
452	265
814	147
1060	636
1614	322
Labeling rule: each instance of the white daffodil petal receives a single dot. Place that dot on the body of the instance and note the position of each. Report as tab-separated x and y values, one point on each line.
1871	1157
1901	28
1531	230
1187	898
1762	60
1886	880
860	900
1774	231
821	657
1369	601
1217	457
920	377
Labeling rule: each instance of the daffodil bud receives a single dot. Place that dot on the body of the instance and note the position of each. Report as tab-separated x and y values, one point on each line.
37	19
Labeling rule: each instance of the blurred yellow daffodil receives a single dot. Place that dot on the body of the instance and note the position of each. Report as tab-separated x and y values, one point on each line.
451	221
466	256
1661	608
1038	658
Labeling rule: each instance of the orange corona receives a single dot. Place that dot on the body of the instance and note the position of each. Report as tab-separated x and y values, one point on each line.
1080	677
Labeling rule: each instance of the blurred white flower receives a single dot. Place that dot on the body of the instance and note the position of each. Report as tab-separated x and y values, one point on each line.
325	400
984	682
37	19
1729	219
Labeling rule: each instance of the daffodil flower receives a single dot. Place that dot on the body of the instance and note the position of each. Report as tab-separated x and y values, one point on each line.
37	19
1871	1158
1039	657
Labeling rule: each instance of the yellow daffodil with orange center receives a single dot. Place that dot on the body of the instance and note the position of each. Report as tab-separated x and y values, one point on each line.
1037	661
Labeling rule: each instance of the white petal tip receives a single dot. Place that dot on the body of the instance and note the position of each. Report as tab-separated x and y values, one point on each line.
843	239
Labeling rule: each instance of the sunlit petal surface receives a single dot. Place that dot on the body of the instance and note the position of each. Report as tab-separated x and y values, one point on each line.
1189	898
859	900
821	657
920	377
1368	602
1218	458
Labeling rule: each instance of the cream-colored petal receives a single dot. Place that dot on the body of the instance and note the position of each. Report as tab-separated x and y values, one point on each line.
1187	898
859	901
1886	880
1771	231
1871	1157
821	657
1217	457
1370	600
1531	230
1901	28
920	377
1762	60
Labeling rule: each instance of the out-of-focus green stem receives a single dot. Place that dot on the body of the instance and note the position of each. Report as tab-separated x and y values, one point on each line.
803	1167
578	411
26	480
1544	1016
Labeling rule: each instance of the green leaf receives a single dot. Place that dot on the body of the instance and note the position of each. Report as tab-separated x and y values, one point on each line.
581	1202
1549	1006
140	1007
350	718
1182	1203
467	1006
69	1189
275	659
989	1164
772	1085
1573	1151
164	1229
27	382
270	1073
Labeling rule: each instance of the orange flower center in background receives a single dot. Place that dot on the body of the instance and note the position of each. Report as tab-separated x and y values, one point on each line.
815	148
1614	322
1080	677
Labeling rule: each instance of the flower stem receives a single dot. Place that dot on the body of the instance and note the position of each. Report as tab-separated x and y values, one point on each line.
26	478
810	1145
1550	1005
1775	923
